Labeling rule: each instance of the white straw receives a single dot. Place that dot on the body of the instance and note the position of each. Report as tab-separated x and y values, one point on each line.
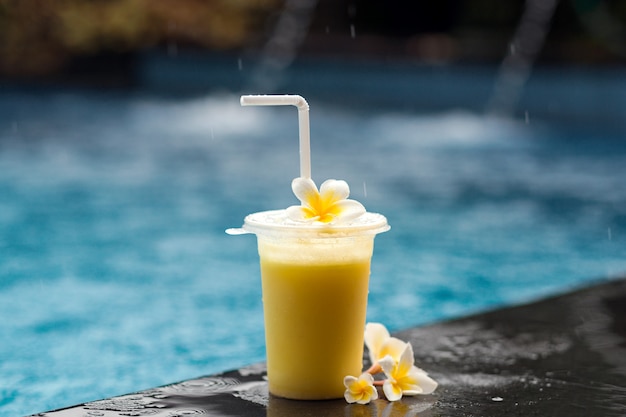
303	122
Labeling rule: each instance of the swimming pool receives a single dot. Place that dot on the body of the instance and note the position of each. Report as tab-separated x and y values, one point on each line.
116	274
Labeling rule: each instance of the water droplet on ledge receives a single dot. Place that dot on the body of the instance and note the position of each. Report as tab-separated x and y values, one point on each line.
202	386
184	412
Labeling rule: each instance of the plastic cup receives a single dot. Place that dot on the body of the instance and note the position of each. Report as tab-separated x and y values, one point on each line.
315	282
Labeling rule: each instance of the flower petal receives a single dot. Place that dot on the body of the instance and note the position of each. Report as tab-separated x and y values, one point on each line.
411	389
405	364
388	365
334	190
392	347
392	391
349	382
306	191
375	335
426	383
347	210
301	214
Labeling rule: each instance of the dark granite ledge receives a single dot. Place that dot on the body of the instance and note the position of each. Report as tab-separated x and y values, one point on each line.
562	356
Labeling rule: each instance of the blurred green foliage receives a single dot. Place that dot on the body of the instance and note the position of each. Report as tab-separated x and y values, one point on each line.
41	36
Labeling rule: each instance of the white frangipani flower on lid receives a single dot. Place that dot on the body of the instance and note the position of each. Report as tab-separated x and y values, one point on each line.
328	205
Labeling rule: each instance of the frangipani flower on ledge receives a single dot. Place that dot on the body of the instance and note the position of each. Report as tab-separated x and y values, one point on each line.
404	378
328	205
360	390
393	357
379	344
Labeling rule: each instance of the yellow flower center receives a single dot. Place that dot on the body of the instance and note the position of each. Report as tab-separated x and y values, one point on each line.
323	209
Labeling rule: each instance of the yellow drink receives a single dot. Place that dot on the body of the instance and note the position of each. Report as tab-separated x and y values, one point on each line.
315	283
314	320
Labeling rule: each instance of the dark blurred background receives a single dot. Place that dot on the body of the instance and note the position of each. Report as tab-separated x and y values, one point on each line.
103	41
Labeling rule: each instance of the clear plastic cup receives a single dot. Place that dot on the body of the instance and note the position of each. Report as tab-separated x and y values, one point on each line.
315	282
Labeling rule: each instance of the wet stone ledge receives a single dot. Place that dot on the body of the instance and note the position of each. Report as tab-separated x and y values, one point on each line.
562	356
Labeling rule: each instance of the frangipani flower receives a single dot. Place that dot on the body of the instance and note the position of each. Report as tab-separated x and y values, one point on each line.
329	204
360	390
404	378
380	344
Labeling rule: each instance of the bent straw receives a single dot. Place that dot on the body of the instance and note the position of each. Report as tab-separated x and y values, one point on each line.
303	122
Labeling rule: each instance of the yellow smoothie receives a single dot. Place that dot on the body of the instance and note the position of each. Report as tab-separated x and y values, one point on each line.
315	302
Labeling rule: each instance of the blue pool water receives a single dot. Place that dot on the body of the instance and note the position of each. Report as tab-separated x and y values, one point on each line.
116	274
